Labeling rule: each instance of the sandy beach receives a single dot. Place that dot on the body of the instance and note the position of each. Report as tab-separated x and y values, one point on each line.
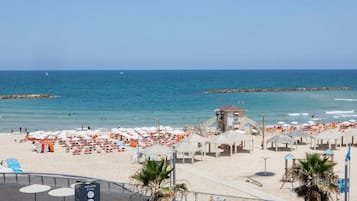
221	175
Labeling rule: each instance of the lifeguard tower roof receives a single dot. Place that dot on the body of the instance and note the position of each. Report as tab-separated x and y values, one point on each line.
230	108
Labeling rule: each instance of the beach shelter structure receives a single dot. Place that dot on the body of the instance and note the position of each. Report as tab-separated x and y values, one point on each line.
281	139
240	137
231	138
157	151
184	148
350	133
219	140
298	134
196	139
329	135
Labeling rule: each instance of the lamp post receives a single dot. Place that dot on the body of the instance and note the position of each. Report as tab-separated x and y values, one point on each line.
174	154
263	140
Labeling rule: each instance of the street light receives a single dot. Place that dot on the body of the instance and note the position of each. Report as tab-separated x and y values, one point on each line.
263	142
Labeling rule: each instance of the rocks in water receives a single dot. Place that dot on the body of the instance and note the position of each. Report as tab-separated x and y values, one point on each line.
26	96
216	91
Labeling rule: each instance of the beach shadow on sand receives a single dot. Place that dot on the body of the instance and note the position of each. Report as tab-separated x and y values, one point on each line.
280	149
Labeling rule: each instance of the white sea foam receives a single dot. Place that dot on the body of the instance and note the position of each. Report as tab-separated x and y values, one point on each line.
340	112
348	115
294	114
345	99
298	114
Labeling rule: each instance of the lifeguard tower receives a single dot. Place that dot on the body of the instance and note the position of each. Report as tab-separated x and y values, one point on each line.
230	118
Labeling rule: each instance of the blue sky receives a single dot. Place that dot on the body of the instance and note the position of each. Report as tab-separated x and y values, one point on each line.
181	34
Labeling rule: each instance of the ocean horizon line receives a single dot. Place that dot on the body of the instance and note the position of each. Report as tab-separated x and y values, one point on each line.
184	69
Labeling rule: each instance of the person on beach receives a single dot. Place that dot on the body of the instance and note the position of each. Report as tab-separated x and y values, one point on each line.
20	129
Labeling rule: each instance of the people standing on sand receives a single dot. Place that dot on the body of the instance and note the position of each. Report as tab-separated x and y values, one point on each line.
20	129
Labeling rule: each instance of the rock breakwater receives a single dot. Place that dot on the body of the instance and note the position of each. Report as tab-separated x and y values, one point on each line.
26	96
247	90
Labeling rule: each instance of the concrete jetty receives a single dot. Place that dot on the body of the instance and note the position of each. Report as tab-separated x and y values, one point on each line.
26	96
247	90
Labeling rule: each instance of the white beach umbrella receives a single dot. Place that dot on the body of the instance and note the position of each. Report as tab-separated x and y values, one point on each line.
346	123
311	123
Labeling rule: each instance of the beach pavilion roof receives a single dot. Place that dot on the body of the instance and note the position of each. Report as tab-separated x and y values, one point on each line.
282	139
194	138
186	147
350	132
298	134
157	150
329	134
221	139
237	136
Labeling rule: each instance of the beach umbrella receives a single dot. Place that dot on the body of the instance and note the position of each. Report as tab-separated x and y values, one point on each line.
311	123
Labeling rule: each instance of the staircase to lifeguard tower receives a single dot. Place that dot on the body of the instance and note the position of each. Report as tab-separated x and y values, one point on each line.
253	124
201	128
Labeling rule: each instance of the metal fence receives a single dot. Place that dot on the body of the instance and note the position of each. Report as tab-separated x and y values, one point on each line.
133	191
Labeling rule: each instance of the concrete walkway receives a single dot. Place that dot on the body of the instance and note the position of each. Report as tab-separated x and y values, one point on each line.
240	186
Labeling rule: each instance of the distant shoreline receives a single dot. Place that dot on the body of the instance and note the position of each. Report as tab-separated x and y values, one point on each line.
26	96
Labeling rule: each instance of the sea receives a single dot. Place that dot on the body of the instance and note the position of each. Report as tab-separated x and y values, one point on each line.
176	98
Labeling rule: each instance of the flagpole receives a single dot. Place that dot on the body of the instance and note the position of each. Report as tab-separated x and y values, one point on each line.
346	179
349	171
349	182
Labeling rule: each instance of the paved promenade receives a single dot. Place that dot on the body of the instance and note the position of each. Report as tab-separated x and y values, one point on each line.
10	192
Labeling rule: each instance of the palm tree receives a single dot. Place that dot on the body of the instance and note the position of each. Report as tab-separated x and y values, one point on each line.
152	175
317	179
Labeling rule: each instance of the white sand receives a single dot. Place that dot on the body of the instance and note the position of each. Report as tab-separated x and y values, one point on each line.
221	175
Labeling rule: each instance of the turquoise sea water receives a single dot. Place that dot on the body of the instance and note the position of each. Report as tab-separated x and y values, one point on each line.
177	98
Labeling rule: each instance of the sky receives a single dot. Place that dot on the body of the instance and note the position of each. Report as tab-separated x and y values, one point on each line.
178	34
